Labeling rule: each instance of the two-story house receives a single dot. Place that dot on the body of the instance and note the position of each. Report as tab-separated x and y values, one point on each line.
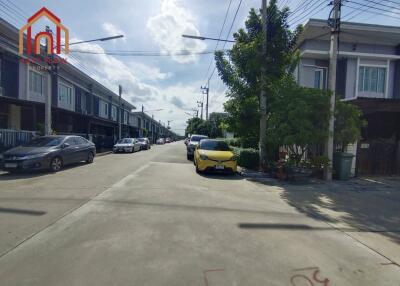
79	104
368	75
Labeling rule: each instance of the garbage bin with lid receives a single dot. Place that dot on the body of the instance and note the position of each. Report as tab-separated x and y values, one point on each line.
342	165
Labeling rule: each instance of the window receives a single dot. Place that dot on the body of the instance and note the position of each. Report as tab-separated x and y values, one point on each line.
64	94
125	117
105	108
36	82
319	78
83	102
371	79
114	112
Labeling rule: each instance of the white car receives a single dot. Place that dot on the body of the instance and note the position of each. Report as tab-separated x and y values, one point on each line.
193	142
127	145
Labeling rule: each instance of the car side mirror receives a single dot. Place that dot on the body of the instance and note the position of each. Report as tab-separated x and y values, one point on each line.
65	145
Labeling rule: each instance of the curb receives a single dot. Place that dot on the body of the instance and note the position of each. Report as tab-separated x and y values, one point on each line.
103	153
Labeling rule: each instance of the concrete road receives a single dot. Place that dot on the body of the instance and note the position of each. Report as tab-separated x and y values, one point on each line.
148	219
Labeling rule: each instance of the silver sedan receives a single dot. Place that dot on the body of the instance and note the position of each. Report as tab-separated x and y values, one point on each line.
127	145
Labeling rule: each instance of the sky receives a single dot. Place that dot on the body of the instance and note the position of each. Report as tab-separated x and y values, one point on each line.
171	83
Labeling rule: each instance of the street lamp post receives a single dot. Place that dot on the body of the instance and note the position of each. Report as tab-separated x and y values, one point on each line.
54	74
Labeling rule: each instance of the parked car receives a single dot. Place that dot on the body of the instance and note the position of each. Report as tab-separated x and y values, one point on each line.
49	152
144	143
168	140
160	141
127	145
193	142
214	155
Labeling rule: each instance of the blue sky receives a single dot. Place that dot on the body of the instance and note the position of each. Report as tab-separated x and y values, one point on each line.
170	83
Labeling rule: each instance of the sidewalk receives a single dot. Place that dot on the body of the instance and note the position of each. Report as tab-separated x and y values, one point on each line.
367	209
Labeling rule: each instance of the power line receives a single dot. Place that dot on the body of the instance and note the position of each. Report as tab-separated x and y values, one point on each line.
372	12
220	33
310	13
142	54
382	4
227	36
301	8
306	12
13	10
372	7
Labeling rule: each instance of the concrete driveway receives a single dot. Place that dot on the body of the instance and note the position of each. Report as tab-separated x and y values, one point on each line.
148	219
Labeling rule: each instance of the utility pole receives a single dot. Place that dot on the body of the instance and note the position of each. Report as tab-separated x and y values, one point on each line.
263	95
200	104
206	90
334	24
49	93
120	112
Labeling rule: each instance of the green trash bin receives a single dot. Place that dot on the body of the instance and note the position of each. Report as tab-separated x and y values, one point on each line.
342	165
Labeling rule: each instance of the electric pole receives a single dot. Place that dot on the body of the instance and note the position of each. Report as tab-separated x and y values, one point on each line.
49	93
263	94
206	92
334	24
120	112
200	104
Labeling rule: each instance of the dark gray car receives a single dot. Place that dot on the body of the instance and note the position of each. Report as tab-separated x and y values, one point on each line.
49	152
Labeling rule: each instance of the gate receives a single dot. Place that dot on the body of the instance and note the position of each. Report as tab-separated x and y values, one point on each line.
378	157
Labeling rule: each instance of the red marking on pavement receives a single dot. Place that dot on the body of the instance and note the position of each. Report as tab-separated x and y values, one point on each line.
210	270
311	278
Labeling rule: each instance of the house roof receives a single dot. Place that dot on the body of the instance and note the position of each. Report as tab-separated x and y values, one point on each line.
351	32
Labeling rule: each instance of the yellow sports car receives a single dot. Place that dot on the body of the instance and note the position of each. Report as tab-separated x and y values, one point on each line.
214	155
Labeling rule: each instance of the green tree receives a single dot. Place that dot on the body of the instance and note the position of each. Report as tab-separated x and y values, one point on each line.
240	68
299	118
198	126
348	123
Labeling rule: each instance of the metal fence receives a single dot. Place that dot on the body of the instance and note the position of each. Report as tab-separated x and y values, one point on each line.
11	138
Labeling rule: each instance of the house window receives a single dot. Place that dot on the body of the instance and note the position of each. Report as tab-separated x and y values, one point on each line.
125	117
104	108
36	82
372	79
64	94
83	102
319	78
114	112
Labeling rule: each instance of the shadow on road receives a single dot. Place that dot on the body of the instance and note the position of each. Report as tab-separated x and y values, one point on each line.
221	176
361	204
18	175
22	211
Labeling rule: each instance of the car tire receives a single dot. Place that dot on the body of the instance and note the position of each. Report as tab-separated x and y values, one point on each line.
90	158
56	164
197	170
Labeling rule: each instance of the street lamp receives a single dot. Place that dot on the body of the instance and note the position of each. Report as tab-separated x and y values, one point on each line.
206	38
53	71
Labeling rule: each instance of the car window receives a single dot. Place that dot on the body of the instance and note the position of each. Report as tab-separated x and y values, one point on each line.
71	141
125	141
197	138
80	141
214	145
44	142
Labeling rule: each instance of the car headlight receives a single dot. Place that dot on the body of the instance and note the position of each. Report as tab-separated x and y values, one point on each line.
203	157
34	156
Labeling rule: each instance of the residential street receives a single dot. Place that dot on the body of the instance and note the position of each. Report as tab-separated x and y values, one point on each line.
148	219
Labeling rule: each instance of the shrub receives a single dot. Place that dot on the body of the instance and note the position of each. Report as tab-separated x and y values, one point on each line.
247	157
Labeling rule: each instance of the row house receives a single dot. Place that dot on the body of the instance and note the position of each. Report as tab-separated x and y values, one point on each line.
79	104
368	75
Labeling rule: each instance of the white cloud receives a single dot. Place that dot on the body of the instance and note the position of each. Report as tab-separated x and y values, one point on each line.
111	72
112	30
167	28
